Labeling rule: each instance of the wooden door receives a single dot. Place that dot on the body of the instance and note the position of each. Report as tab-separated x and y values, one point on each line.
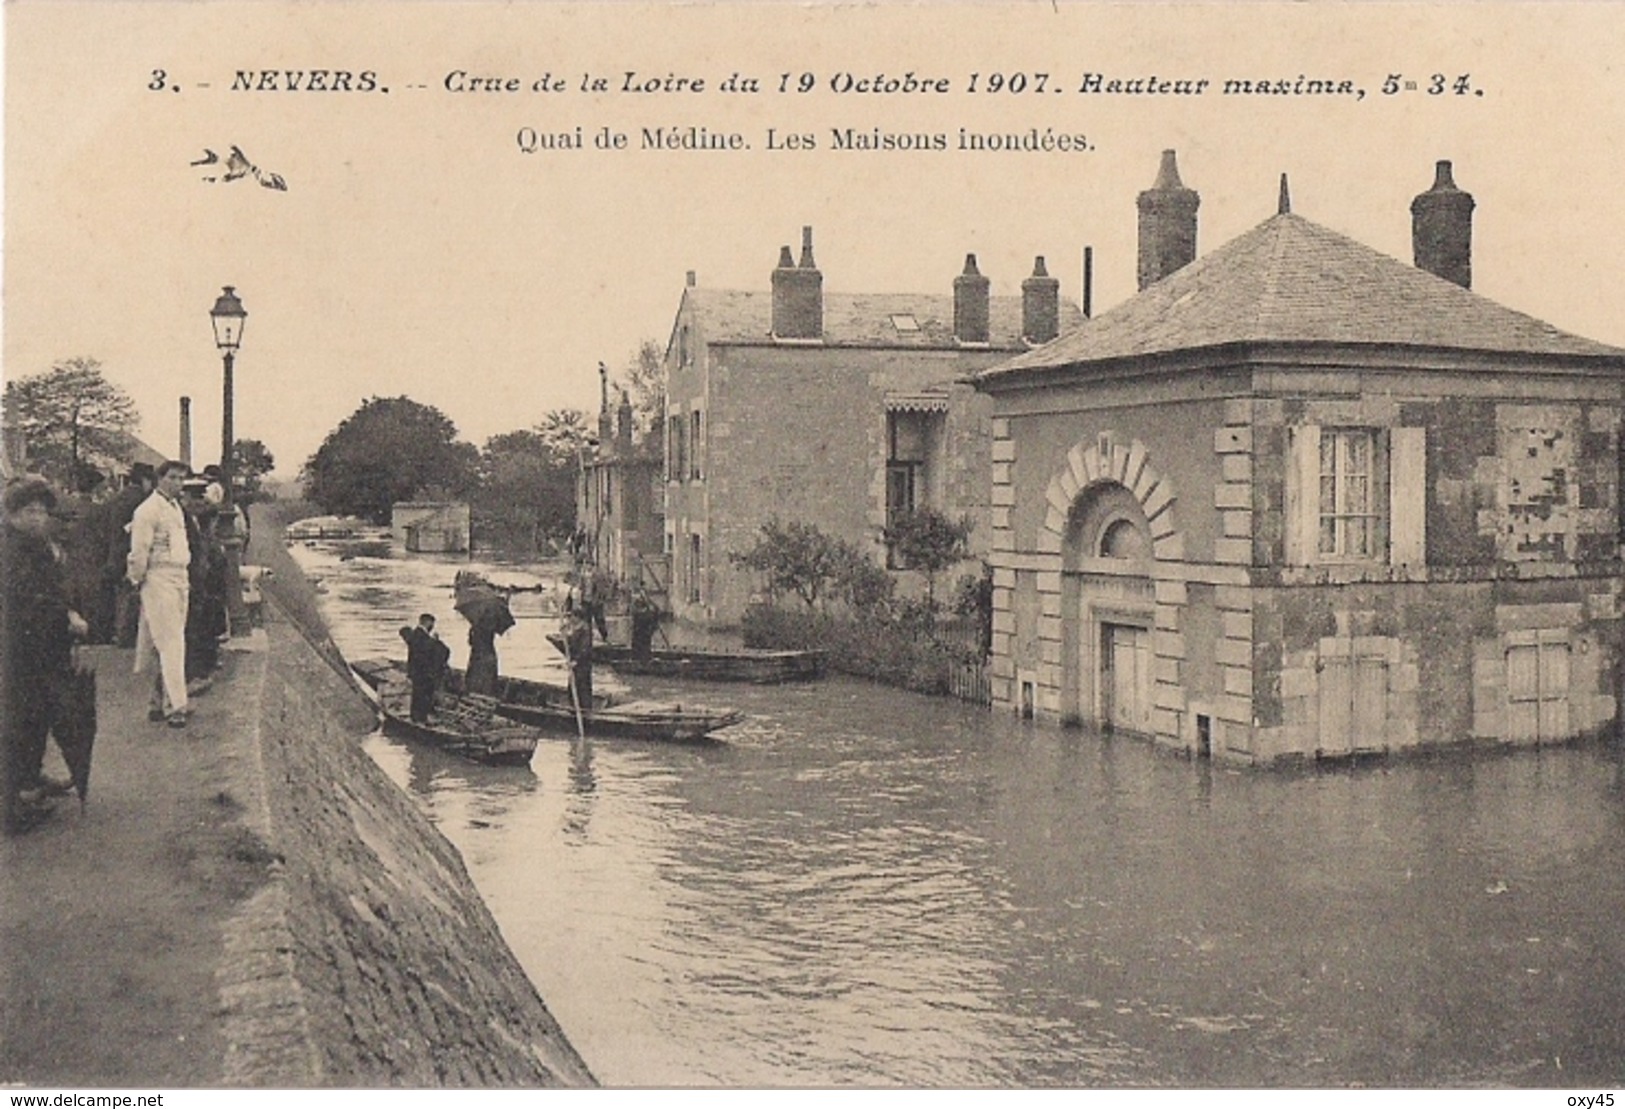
1537	687
1353	697
1127	681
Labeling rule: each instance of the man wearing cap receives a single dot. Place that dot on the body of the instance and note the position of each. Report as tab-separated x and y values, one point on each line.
39	631
159	557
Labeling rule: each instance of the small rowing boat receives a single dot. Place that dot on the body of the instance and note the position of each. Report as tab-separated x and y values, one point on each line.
548	706
465	724
709	664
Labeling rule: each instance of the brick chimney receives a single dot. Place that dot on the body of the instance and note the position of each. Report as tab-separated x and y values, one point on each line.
1167	224
971	304
798	294
623	427
605	430
1442	230
1040	305
185	454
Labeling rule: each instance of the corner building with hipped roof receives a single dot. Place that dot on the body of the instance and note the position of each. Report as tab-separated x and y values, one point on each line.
1298	499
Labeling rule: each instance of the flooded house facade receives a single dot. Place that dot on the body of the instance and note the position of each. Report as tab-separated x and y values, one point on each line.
620	500
1298	499
431	527
837	410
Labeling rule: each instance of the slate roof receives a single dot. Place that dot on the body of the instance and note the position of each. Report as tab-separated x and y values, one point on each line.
1290	280
728	316
129	450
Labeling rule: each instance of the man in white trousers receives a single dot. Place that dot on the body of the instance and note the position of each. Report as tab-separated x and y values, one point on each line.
159	555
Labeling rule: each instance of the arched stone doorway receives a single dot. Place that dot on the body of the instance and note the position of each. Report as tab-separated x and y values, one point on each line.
1108	610
1118	588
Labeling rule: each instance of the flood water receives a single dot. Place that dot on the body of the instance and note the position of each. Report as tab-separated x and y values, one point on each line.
866	887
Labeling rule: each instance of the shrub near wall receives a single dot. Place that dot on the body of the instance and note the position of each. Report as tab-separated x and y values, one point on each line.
850	609
898	650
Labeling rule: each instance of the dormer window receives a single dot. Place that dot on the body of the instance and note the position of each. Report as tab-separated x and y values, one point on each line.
905	322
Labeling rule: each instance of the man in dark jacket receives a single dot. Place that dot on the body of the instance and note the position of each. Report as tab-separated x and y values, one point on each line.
206	601
123	599
39	630
578	650
426	659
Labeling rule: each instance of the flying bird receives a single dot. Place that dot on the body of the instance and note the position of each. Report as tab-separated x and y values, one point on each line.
237	166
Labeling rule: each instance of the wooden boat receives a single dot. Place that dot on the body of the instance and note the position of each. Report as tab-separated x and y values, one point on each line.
547	706
710	664
464	724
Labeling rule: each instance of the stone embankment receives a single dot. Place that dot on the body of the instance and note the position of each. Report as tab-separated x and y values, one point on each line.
250	901
367	958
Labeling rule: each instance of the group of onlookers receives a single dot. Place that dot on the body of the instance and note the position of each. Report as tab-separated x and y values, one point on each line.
145	568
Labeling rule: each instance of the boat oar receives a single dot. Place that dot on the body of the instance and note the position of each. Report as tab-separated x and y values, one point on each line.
575	697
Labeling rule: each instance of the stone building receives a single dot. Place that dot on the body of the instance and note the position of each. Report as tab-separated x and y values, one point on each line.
836	410
431	527
620	500
1296	498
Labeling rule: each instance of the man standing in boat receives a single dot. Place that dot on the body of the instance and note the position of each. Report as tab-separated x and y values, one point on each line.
578	649
645	619
426	658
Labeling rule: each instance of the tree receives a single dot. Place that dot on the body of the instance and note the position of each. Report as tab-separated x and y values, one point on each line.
527	491
250	462
390	449
565	431
798	558
645	383
928	541
72	419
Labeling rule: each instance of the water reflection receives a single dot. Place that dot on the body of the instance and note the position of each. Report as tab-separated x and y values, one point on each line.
862	887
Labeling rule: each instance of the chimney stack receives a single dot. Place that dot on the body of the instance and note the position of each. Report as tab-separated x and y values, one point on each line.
1040	305
1167	224
798	294
971	304
623	426
1442	229
1088	281
605	429
185	454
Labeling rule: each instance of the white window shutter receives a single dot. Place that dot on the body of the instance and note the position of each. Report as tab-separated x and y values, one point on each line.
1303	495
1407	496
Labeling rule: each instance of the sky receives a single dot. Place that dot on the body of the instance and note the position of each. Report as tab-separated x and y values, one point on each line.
418	250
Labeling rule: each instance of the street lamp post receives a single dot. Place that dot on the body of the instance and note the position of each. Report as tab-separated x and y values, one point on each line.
228	317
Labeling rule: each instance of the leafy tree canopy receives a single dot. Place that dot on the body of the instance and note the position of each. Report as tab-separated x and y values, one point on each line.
644	380
73	419
564	431
928	541
798	558
390	449
250	462
527	491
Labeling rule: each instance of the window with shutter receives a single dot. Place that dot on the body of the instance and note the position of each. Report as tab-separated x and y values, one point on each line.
1356	495
1346	515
